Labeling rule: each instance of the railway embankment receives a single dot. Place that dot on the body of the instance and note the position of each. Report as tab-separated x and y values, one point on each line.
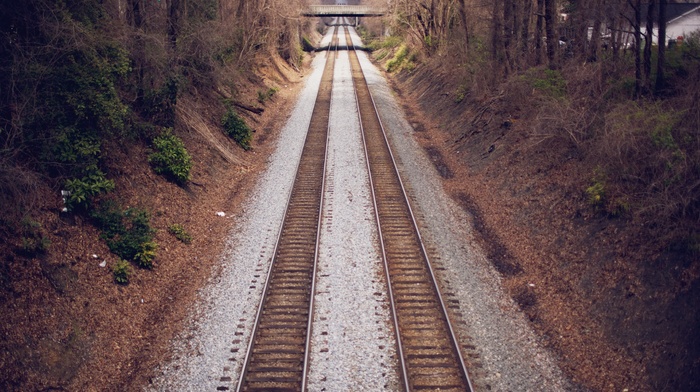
611	289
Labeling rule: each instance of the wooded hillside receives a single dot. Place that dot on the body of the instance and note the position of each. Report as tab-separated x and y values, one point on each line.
125	125
77	72
574	141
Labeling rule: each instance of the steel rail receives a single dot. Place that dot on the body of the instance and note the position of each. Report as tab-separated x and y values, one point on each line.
433	279
259	314
399	345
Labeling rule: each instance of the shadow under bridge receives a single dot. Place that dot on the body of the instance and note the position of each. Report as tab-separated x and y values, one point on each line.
342	10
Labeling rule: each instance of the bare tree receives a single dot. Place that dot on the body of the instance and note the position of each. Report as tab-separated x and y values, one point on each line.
525	33
428	21
594	45
134	13
637	23
465	24
539	31
550	16
661	65
507	34
648	40
497	34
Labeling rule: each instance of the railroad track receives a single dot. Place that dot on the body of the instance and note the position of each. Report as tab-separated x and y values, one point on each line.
277	357
278	352
429	354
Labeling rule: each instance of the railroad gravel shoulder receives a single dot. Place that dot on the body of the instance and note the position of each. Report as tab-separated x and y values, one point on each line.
352	340
504	352
212	346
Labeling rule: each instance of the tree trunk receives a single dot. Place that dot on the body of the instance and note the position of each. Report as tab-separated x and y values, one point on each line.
595	36
649	38
465	24
515	44
507	33
577	36
539	29
525	34
497	38
550	17
173	23
661	65
637	44
134	13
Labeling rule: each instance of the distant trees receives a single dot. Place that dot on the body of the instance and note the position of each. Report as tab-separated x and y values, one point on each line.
522	33
427	21
610	86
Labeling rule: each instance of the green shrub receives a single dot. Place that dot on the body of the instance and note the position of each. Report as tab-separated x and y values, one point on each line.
391	42
83	190
109	218
461	92
237	129
180	233
171	158
596	192
264	96
33	246
599	196
159	104
145	254
34	241
137	231
65	76
80	152
549	82
693	244
399	58
403	60
126	232
370	41
226	54
121	272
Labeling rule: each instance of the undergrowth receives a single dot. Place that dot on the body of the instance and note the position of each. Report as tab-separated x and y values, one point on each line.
170	158
121	272
403	60
128	233
264	96
546	81
33	237
180	233
236	128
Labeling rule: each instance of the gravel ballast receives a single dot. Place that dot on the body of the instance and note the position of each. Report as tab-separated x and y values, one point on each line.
511	355
352	342
212	347
352	345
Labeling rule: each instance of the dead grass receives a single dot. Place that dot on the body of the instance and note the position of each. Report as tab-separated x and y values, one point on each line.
19	193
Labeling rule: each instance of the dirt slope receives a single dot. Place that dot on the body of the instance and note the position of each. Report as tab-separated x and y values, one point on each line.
65	324
618	305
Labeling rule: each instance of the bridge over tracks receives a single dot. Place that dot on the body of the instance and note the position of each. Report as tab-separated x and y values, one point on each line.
342	10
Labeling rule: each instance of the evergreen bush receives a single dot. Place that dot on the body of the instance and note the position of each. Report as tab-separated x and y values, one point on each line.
171	158
121	272
128	233
180	233
237	129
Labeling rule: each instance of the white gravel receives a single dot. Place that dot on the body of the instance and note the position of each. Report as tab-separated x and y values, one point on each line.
352	342
223	318
511	354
